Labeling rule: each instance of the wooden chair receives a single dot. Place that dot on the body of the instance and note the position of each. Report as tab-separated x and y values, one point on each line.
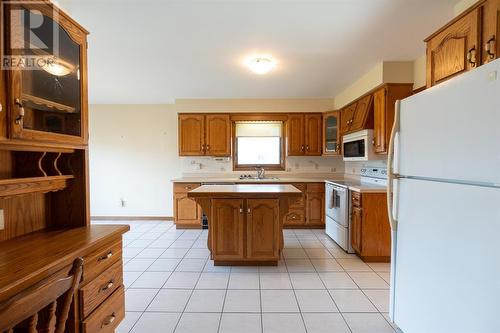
43	307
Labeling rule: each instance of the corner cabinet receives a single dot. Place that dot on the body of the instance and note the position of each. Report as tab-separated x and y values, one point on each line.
468	41
331	134
48	101
204	135
304	134
384	101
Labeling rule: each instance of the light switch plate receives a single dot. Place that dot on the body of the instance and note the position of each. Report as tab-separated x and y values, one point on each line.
2	220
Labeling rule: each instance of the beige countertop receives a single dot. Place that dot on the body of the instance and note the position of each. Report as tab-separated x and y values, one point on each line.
242	190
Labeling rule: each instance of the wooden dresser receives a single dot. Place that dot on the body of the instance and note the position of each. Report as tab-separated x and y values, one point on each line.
44	185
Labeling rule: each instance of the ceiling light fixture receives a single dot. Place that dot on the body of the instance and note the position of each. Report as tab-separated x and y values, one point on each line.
261	64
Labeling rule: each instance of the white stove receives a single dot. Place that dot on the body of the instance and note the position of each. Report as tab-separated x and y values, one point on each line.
337	203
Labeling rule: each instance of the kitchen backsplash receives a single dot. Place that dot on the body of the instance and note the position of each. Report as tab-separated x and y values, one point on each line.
296	165
354	168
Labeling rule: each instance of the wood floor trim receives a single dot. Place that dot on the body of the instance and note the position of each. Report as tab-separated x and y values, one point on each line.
132	218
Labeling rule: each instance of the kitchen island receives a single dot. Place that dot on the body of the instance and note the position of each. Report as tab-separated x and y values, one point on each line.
245	222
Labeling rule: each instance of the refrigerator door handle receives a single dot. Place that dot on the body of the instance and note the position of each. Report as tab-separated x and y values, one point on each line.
391	174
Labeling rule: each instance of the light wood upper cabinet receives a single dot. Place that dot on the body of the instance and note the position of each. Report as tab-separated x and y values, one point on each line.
218	132
379	126
201	135
358	115
384	101
263	228
228	226
347	116
454	50
331	133
295	135
313	134
304	134
191	135
468	41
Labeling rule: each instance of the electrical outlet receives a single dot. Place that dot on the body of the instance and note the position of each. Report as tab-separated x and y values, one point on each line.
2	220
122	202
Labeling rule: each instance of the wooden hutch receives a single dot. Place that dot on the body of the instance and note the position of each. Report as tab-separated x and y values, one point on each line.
44	184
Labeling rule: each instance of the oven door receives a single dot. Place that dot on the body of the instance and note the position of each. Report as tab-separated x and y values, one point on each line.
355	150
336	204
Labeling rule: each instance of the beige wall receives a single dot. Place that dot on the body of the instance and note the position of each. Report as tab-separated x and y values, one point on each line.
384	72
133	156
463	5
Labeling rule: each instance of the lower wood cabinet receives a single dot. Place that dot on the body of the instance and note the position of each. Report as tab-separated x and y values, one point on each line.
227	224
245	229
370	229
315	201
356	229
307	211
187	213
263	229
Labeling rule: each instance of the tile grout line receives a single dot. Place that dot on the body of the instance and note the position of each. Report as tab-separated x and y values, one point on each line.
138	319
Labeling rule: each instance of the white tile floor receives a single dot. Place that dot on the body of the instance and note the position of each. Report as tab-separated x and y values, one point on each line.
172	286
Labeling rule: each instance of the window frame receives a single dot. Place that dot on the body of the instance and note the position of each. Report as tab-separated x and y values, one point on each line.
250	167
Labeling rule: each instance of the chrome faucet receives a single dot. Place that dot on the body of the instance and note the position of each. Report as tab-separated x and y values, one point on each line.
261	172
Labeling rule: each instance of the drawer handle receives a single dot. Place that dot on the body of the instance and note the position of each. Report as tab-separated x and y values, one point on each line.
107	256
187	187
109	320
108	285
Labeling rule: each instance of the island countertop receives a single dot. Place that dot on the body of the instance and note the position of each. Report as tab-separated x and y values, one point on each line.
247	191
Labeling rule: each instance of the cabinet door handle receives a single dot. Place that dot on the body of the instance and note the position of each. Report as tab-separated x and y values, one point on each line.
109	320
241	210
249	210
307	147
107	256
20	115
108	285
302	148
471	57
203	148
490	48
208	147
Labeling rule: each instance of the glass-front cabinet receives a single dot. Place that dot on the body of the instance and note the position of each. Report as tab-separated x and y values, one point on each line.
47	74
331	127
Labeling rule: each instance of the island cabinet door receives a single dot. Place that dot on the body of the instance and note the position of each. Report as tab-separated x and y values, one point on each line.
263	237
227	229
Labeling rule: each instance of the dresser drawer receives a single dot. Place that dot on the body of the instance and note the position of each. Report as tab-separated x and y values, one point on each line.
97	262
356	199
98	289
108	315
185	187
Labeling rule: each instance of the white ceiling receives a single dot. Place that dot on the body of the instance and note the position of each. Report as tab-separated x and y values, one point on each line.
148	52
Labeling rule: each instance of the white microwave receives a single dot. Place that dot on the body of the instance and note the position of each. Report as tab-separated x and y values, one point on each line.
358	146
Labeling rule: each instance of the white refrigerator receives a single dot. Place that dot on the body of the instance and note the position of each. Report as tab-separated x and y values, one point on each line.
444	206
